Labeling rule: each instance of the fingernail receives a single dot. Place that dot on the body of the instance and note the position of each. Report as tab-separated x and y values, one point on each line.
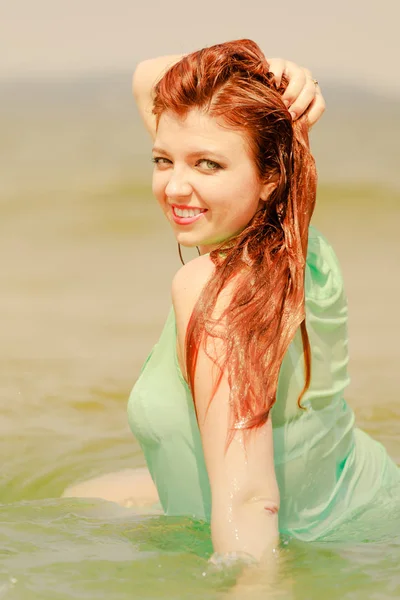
286	102
292	114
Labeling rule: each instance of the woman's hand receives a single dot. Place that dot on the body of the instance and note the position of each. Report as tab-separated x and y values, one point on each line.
267	578
302	92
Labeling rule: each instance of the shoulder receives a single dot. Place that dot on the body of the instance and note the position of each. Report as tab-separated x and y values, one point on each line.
323	278
187	285
189	282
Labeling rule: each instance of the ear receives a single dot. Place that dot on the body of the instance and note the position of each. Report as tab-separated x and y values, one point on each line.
267	189
269	185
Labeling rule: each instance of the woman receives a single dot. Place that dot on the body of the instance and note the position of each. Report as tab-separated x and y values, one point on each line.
135	487
240	407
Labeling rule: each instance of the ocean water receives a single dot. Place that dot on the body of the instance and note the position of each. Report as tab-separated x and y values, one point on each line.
87	262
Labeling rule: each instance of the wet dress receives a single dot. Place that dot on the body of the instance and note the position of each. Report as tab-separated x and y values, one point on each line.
329	472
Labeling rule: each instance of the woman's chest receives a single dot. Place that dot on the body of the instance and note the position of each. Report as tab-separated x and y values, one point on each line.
160	404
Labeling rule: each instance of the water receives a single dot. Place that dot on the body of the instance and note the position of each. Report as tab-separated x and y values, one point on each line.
87	262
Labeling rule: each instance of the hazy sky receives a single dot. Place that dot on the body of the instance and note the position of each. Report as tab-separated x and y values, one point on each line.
345	38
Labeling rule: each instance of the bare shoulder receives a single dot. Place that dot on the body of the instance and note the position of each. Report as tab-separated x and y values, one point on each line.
189	281
187	285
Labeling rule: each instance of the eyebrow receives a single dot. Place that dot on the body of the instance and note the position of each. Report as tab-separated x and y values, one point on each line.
195	154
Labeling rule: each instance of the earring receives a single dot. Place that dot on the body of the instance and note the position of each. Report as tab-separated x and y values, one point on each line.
180	252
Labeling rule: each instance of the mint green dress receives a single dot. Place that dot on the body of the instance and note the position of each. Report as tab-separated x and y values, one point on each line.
328	470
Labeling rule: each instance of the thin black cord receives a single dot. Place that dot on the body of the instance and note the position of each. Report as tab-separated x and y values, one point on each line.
180	252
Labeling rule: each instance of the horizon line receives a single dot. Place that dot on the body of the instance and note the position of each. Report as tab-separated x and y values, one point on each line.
49	75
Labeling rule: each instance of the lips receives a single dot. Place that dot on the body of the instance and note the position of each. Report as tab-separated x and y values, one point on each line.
185	215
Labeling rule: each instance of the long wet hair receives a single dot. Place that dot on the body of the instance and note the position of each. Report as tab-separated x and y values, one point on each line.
232	83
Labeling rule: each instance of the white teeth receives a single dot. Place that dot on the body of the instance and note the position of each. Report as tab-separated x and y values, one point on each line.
187	212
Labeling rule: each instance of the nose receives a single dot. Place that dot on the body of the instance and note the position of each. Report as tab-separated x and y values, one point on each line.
178	185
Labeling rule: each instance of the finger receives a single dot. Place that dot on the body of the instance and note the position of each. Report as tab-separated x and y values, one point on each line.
277	67
317	108
297	81
304	99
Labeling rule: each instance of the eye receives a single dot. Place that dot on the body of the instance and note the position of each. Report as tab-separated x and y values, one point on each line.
160	161
208	165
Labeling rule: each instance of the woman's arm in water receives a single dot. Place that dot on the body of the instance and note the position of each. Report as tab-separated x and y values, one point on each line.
301	93
244	490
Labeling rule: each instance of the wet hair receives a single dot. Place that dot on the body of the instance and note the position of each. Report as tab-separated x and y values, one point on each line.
265	262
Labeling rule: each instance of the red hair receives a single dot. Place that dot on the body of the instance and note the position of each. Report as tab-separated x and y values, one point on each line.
232	83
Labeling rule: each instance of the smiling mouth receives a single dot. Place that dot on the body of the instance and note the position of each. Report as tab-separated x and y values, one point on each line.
187	216
187	213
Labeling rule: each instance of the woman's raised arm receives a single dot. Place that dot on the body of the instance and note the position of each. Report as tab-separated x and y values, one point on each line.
302	92
146	75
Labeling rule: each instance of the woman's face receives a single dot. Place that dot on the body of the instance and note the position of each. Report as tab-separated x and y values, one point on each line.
204	179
